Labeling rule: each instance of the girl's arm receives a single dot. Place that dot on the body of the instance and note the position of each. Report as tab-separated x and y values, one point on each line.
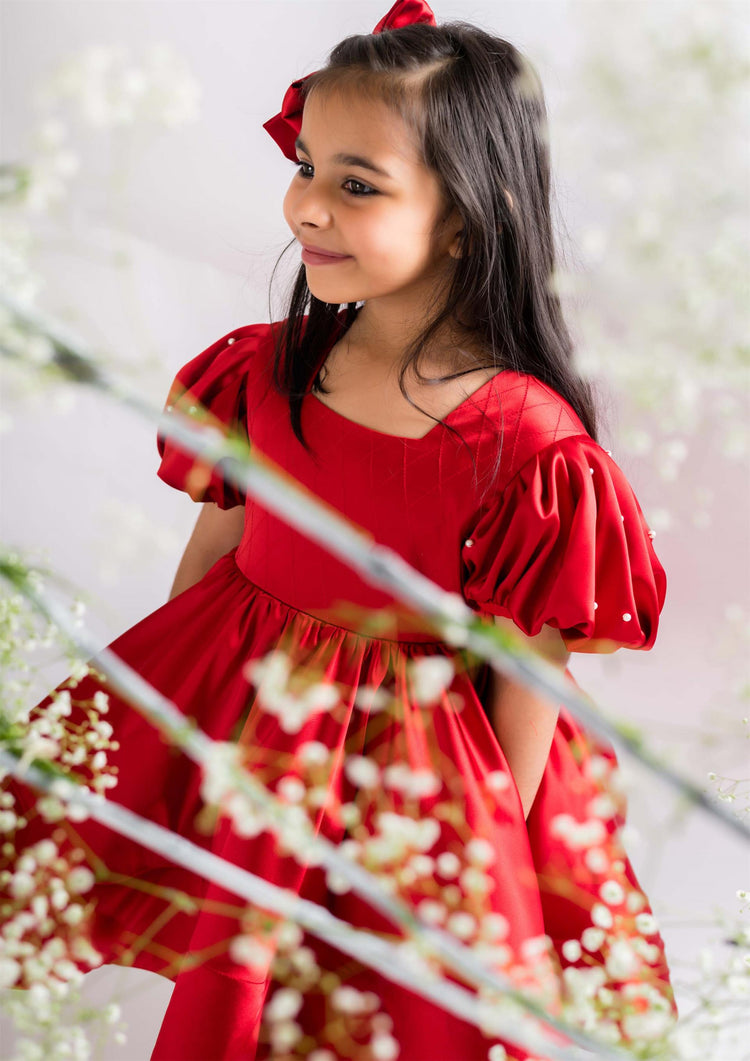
216	531
523	721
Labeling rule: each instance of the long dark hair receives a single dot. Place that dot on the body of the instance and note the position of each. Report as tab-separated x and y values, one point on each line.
477	112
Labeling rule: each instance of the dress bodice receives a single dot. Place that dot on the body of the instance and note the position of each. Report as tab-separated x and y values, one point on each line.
508	501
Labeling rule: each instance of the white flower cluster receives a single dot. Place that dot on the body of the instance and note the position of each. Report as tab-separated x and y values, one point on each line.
720	979
353	1007
22	633
430	677
371	699
275	679
611	986
112	88
69	731
578	835
278	946
397	836
219	788
419	783
53	733
42	942
498	1013
55	1023
611	992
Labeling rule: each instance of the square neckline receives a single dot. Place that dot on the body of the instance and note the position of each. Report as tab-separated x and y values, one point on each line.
387	434
408	438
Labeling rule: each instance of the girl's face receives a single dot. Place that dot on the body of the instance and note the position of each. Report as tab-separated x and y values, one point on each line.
362	193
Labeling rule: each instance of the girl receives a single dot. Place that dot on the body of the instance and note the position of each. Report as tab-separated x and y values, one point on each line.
421	383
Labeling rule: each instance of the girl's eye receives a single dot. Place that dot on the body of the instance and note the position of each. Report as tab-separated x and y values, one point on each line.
357	188
360	188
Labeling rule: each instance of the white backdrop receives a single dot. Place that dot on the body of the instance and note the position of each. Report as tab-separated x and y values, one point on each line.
165	242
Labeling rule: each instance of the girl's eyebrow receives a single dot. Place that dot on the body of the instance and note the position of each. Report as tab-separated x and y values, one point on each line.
349	160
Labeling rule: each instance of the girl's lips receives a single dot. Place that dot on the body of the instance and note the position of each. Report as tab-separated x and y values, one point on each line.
313	257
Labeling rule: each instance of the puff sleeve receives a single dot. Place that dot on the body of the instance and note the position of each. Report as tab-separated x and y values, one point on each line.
566	544
213	389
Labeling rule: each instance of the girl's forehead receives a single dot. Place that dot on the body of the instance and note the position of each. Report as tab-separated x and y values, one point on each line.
336	123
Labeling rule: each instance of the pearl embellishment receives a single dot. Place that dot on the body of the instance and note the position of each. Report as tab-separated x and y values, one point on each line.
595	605
469	542
627	616
231	339
591	470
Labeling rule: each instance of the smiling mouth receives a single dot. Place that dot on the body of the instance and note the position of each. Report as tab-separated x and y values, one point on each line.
314	257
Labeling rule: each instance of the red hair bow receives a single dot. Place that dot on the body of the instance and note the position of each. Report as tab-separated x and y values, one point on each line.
284	127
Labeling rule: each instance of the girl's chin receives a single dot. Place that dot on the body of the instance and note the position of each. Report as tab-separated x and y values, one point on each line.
333	294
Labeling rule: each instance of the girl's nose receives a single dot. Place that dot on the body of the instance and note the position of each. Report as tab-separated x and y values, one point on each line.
311	207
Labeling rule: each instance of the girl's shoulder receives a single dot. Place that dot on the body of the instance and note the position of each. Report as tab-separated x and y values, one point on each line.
231	360
524	416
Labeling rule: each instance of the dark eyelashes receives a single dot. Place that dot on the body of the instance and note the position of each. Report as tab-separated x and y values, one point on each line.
351	180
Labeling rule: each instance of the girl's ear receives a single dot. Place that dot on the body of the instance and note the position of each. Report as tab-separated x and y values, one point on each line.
454	226
455	248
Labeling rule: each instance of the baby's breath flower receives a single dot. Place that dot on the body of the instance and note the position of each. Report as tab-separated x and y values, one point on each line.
362	772
497	781
494	926
622	961
480	851
423	865
635	901
314	753
78	670
368	698
462	925
592	938
596	859
284	1035
431	912
430	677
348	999
10	972
646	924
285	1004
384	1048
612	892
475	881
21	885
648	1024
247	950
291	789
337	883
448	865
571	950
80	880
601	915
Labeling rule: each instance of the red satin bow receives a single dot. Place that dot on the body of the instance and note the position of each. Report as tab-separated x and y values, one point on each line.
284	127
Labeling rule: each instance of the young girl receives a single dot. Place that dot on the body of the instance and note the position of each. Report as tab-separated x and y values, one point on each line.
421	384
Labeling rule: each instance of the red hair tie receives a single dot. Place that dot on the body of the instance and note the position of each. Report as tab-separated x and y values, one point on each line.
284	127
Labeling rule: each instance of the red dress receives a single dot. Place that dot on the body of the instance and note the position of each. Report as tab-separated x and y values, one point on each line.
552	534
